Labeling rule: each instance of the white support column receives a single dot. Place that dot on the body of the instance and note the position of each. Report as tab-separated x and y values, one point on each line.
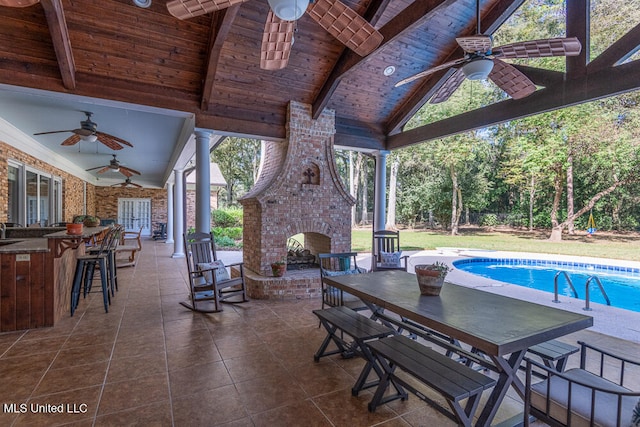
380	196
203	180
170	208
178	210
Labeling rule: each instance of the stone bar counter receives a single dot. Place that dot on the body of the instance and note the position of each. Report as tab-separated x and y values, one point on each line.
36	274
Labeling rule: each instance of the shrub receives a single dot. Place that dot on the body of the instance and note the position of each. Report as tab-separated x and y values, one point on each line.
489	220
234	233
227	217
224	242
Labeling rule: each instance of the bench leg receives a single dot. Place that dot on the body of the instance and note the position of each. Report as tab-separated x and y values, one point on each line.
385	378
331	331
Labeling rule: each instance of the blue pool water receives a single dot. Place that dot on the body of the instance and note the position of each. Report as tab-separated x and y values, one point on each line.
622	284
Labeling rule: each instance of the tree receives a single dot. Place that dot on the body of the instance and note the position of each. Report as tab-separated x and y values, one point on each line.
239	161
393	182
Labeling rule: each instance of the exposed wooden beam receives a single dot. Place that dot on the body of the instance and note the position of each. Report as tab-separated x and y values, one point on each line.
357	134
404	111
414	14
242	128
618	52
221	22
540	76
578	16
601	84
54	13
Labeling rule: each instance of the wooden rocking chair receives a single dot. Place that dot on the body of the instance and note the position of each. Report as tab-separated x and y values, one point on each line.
210	281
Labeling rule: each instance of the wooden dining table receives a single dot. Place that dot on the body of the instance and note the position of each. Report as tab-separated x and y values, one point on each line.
500	327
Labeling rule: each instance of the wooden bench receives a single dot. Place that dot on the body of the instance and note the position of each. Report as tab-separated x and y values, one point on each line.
342	320
554	353
453	380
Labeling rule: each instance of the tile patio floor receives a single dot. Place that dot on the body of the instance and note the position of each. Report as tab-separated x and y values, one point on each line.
151	362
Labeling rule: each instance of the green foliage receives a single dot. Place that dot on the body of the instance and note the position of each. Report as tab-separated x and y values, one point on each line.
239	160
224	242
234	233
227	217
489	220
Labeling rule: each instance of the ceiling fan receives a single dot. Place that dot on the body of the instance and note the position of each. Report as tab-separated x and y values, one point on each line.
482	60
115	166
127	182
338	19
88	131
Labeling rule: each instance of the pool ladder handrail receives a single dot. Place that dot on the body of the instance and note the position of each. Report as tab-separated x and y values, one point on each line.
586	290
555	286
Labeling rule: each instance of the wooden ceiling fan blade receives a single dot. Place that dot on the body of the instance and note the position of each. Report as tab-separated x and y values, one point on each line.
54	131
346	25
430	71
103	170
476	44
111	141
185	9
18	3
128	171
447	89
277	40
511	80
72	140
569	46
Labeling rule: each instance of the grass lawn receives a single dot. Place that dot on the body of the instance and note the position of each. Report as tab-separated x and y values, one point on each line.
601	244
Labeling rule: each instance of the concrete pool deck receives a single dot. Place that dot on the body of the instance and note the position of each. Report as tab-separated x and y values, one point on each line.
624	324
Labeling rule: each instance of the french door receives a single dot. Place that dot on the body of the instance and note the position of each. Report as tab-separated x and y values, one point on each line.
135	213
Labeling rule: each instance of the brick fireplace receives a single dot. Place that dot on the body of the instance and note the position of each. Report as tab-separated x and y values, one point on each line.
298	191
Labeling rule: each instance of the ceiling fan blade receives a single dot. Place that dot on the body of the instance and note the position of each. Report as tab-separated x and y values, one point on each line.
346	25
431	71
18	3
276	42
111	141
511	80
447	89
54	131
103	169
72	140
128	171
184	9
476	44
569	46
135	185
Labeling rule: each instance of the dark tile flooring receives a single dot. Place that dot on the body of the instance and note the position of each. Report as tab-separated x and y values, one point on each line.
151	362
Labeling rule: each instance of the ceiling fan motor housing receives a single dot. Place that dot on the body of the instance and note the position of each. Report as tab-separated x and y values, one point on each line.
289	10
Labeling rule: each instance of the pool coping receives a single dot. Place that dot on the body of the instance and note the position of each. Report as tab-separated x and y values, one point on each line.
617	322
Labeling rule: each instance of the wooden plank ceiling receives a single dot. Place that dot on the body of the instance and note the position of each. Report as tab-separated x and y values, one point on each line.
209	65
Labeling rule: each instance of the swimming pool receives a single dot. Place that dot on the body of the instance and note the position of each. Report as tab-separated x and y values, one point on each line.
622	284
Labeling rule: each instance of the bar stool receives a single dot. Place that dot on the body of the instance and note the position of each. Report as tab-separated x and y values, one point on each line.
112	237
85	267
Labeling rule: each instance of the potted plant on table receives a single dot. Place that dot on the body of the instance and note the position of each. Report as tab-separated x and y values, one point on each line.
431	277
278	268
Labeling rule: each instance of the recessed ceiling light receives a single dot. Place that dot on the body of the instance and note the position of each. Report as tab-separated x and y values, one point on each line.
389	70
142	3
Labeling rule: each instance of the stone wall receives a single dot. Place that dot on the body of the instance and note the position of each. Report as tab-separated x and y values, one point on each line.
72	187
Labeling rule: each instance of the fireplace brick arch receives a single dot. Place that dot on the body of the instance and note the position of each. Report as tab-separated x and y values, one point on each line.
298	191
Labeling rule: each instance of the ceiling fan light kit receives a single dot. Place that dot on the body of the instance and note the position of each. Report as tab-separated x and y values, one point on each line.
89	138
289	10
478	69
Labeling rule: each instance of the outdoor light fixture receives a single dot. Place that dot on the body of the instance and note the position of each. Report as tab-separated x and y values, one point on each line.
478	69
90	138
289	10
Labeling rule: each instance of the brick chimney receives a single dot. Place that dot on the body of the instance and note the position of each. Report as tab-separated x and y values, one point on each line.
298	191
